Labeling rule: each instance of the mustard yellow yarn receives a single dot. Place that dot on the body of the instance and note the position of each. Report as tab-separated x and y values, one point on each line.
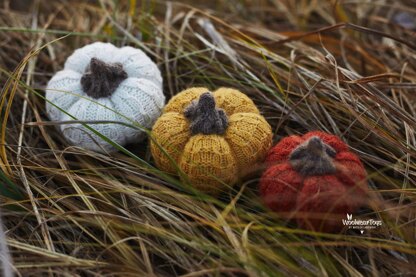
181	100
171	131
250	137
211	162
234	101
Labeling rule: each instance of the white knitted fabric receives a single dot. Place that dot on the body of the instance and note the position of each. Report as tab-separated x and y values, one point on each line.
139	98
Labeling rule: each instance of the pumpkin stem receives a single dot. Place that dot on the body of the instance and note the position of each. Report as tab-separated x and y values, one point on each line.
205	117
313	157
102	79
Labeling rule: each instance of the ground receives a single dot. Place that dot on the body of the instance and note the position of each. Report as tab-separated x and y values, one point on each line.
344	67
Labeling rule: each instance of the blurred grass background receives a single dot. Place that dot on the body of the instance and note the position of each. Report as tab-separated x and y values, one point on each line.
345	67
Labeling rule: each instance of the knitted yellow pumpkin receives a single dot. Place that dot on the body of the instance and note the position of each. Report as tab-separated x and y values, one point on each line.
214	138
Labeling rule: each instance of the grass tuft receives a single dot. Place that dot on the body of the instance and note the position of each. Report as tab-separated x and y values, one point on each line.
345	67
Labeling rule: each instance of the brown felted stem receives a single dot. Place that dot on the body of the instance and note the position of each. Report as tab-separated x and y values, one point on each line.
313	157
102	79
205	118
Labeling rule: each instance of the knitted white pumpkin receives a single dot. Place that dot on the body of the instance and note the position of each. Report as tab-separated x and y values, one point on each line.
101	82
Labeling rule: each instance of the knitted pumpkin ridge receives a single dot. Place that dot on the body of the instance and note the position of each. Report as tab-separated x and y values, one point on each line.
315	180
213	137
101	82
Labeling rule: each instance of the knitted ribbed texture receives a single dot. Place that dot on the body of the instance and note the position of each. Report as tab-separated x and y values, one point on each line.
136	99
211	162
314	179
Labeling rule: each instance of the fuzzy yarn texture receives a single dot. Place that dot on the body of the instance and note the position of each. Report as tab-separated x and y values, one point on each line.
205	118
101	82
315	180
213	138
102	79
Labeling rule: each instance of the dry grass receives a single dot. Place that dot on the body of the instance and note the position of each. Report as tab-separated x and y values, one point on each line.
70	212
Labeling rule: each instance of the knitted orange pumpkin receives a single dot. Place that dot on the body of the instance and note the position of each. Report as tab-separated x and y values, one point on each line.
212	137
314	179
